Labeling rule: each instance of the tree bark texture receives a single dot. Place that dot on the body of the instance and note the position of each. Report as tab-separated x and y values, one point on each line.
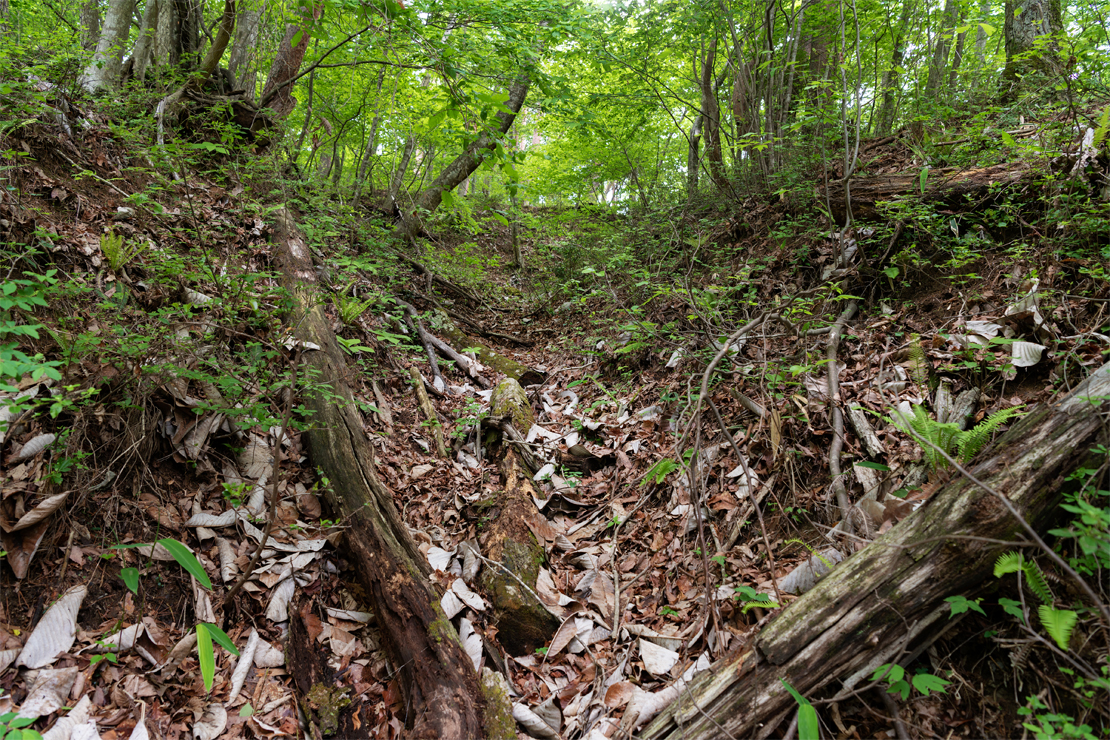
1027	22
242	62
104	69
277	93
90	23
874	606
438	677
949	182
940	50
890	86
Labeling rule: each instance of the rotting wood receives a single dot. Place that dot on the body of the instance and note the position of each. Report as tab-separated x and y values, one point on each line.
867	437
417	328
384	413
429	411
499	362
947	182
874	607
437	677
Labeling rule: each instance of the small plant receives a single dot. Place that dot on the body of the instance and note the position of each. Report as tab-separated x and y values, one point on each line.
948	437
350	307
749	598
1058	623
808	726
117	252
895	676
206	633
15	728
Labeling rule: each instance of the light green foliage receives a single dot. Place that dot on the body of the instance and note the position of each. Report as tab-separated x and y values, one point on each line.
750	598
117	251
17	728
895	676
809	728
1058	623
952	441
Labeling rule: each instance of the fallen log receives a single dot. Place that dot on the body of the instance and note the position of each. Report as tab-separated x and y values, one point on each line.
888	598
867	193
439	681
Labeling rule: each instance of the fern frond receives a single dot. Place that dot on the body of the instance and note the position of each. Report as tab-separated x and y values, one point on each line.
1008	562
1058	623
1034	576
919	363
1013	562
970	442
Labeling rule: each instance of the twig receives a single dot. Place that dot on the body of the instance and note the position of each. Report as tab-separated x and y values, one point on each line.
838	487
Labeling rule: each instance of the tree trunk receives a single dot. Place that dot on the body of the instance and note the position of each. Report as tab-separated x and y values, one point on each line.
104	69
391	205
711	116
1027	21
940	51
872	608
219	43
890	85
364	168
144	45
943	183
692	159
437	676
90	24
465	164
241	62
277	93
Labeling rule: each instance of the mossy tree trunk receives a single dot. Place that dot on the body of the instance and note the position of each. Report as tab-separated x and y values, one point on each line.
438	677
888	598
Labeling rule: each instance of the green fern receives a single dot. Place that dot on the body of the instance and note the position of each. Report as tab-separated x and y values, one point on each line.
828	564
1058	623
1013	562
351	308
117	252
948	437
970	442
919	363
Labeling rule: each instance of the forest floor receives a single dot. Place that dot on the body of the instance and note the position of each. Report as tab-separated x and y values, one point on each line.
146	446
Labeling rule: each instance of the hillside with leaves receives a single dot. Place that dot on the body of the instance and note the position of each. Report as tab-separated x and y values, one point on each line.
656	338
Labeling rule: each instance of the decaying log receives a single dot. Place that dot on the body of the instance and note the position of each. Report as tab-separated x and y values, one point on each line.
384	414
514	537
875	606
867	437
940	183
502	364
429	411
418	329
438	678
464	363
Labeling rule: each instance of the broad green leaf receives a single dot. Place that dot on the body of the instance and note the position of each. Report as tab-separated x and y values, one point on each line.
1058	623
893	676
206	655
867	463
130	578
246	710
808	726
221	637
926	682
923	178
186	560
1013	608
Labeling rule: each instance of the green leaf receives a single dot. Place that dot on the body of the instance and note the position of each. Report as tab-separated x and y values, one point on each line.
221	637
186	560
872	465
808	726
206	655
659	471
130	578
926	682
901	687
895	675
1058	623
923	178
246	710
960	604
1013	608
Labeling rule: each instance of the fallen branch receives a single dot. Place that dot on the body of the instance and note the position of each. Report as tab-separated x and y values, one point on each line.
429	411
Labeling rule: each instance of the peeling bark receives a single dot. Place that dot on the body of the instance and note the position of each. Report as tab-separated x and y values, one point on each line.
877	605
